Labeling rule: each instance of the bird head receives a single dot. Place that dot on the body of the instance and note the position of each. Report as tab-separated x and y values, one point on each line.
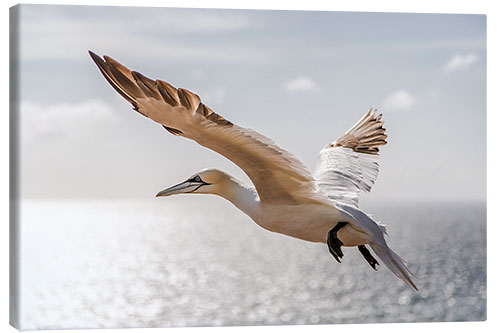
206	181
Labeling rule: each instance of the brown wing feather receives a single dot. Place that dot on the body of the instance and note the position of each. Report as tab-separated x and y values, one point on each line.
132	85
365	136
278	176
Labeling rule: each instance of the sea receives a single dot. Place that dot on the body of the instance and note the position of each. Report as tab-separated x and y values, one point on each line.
191	261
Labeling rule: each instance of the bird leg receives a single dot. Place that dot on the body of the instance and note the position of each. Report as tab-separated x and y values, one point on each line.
368	256
334	243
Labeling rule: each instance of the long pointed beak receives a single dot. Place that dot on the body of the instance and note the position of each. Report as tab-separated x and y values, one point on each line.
185	187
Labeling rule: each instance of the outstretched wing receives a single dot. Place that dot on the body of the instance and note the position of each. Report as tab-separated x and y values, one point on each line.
278	176
349	165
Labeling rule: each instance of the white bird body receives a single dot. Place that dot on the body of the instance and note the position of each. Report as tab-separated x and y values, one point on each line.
287	198
309	221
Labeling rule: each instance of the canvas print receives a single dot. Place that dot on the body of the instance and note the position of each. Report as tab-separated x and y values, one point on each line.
332	166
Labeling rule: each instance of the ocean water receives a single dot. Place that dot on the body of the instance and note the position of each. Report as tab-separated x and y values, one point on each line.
190	262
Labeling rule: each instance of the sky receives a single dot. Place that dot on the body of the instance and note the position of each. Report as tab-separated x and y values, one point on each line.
301	78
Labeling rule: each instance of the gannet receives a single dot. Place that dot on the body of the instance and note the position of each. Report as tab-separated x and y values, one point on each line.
285	198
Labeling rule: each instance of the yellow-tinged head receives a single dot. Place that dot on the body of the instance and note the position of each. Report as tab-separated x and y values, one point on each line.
206	181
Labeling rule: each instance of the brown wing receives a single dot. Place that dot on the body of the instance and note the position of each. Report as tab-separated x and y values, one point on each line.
278	176
365	136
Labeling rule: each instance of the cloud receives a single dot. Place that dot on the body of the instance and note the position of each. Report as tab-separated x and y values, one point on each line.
300	84
203	22
413	46
459	61
63	120
166	20
176	35
400	100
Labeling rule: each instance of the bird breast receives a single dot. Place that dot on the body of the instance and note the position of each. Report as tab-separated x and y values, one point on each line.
310	222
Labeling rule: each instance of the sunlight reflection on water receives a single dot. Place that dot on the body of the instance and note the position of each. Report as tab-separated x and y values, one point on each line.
165	263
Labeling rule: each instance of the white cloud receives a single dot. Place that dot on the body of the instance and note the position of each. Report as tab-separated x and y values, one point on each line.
174	36
400	100
459	61
63	120
301	84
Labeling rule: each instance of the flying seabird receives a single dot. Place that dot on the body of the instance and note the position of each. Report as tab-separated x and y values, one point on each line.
286	198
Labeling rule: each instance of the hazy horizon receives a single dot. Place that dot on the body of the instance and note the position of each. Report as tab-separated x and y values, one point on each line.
301	78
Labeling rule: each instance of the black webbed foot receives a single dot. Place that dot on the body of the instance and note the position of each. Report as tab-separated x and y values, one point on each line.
368	256
334	243
334	247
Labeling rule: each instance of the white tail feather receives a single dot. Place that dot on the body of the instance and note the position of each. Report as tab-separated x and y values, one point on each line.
394	262
383	227
377	230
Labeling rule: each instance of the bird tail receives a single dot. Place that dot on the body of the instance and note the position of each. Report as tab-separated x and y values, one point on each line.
377	230
394	262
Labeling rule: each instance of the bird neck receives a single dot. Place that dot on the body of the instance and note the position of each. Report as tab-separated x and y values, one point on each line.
242	196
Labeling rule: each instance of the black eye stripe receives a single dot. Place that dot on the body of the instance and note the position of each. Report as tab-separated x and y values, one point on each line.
197	179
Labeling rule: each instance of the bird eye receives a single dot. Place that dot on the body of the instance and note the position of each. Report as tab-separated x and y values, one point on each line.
197	179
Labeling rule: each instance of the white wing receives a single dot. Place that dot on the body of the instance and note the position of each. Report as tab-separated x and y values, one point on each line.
350	164
277	175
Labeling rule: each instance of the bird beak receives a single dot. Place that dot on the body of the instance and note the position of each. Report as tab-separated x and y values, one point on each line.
185	187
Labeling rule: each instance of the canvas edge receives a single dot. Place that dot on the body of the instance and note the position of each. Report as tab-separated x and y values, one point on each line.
14	273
